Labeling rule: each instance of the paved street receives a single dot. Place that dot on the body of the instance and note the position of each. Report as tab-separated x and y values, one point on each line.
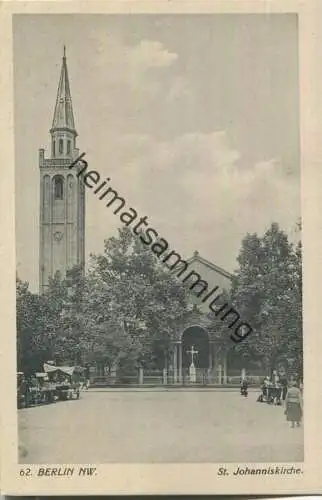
158	426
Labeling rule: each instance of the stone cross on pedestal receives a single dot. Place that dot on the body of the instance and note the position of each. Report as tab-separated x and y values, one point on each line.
192	369
192	352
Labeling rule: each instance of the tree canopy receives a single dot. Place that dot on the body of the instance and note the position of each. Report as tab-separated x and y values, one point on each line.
128	287
126	310
267	290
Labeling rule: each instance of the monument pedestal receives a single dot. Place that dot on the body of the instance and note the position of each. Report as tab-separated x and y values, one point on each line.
192	374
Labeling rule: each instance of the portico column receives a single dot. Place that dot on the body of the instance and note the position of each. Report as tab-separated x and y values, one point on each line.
210	367
180	362
225	368
218	365
219	374
175	363
165	369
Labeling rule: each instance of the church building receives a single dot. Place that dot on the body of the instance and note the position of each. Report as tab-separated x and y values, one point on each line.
62	246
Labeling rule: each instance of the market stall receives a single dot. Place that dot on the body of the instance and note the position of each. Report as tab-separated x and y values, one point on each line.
64	380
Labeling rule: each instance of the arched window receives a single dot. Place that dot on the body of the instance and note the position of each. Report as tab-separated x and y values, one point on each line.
54	148
68	147
61	146
58	187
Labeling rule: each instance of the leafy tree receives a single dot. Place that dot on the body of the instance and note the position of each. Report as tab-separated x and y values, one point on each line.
133	302
50	326
28	312
62	320
267	293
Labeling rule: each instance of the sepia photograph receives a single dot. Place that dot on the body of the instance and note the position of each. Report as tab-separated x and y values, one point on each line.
158	230
160	288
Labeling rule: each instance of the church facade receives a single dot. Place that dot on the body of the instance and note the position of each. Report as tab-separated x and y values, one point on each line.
62	246
195	340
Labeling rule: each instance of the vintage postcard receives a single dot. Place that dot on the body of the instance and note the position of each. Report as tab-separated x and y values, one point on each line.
160	263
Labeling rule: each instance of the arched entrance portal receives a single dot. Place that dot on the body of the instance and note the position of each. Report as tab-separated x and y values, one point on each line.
195	355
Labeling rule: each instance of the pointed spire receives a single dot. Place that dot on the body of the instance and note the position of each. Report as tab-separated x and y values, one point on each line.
63	114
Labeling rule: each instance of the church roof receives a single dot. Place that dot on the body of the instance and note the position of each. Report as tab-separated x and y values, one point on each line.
207	263
63	114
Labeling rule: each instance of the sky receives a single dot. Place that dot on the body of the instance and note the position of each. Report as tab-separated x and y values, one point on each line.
195	118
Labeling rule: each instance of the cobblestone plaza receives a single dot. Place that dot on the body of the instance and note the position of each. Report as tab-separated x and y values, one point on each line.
158	426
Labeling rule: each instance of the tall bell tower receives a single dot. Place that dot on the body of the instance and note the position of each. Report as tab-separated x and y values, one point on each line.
62	194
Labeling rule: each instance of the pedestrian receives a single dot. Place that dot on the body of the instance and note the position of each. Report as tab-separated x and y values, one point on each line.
244	387
293	405
27	386
283	381
275	388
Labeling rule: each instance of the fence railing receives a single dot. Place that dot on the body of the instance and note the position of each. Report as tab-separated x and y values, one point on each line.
156	378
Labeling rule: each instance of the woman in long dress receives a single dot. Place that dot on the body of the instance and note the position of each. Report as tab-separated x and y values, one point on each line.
293	405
